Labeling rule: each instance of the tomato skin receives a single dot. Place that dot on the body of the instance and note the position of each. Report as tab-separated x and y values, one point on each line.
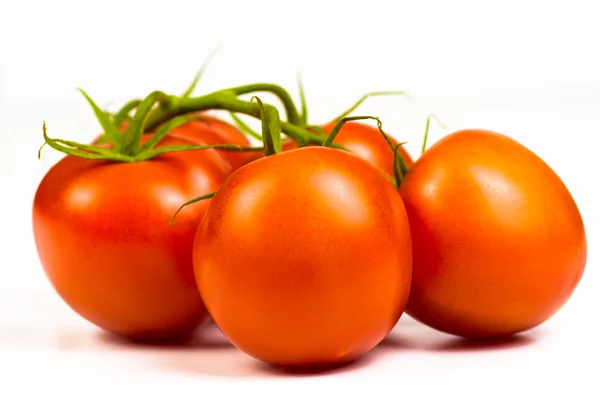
102	234
286	295
499	244
366	142
211	130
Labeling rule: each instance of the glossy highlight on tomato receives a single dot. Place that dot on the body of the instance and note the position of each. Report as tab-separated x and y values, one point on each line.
304	257
499	244
102	234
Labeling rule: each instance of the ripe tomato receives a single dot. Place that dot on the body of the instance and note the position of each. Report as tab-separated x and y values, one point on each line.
103	238
304	257
212	130
498	242
366	142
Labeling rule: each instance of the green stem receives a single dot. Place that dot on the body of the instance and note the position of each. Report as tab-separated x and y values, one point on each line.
133	134
425	137
338	126
92	152
173	149
367	96
123	113
400	168
270	127
226	101
110	130
303	105
285	98
187	203
200	72
317	129
167	127
244	127
127	147
89	152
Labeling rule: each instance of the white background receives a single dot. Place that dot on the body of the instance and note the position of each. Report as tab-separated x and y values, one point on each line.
529	69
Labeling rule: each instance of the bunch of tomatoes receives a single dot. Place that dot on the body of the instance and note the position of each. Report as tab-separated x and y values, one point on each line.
307	247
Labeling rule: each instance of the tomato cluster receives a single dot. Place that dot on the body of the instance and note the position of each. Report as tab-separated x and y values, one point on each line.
304	252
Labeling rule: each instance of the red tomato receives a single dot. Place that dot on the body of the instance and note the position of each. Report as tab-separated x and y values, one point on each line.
304	257
212	130
103	238
366	142
498	242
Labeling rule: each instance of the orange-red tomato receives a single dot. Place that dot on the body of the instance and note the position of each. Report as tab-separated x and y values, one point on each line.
499	244
211	130
366	142
304	257
103	238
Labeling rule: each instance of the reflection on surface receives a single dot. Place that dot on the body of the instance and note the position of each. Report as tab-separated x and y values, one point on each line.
55	329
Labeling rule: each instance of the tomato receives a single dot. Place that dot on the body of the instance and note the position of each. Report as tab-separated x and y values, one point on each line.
366	142
211	130
499	244
103	238
304	257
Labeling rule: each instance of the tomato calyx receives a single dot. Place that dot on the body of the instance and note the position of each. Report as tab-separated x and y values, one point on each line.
126	146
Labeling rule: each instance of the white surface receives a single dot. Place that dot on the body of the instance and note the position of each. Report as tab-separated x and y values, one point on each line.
525	68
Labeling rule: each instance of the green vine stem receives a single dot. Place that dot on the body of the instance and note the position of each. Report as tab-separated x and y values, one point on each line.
135	130
425	137
303	105
338	126
110	130
400	167
172	220
271	130
288	103
160	111
366	97
188	92
244	127
271	133
226	100
92	152
123	114
317	129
